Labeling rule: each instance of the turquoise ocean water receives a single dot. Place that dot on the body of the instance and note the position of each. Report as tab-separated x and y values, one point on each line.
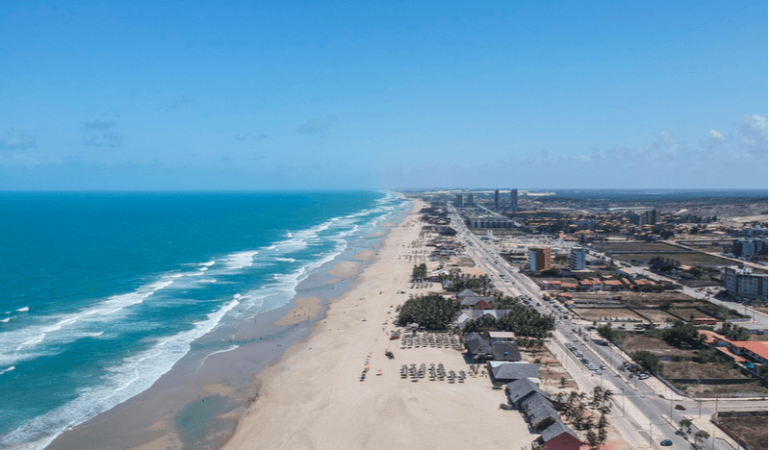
101	293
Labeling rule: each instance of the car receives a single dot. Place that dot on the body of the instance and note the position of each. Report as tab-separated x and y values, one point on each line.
680	407
597	372
666	443
603	367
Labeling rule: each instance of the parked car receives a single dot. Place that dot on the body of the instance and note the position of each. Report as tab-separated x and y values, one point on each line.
666	443
603	367
680	407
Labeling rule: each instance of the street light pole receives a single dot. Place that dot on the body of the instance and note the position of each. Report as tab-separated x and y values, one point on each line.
623	398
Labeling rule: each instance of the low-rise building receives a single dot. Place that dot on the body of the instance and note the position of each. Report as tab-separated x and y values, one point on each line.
558	437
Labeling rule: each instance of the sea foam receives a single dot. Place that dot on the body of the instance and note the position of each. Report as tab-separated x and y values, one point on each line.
134	375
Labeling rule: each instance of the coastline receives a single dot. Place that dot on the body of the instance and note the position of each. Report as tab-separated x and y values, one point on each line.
313	397
225	382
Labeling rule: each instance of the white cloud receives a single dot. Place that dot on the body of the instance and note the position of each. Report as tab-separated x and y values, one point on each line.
17	140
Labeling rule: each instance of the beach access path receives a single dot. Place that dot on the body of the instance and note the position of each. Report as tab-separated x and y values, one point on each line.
313	397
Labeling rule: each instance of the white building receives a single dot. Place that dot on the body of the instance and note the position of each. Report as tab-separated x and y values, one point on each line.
577	258
741	282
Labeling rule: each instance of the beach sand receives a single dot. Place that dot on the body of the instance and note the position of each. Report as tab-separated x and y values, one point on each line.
307	308
344	269
364	255
313	397
377	234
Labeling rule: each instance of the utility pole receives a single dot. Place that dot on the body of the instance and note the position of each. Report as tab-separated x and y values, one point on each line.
623	398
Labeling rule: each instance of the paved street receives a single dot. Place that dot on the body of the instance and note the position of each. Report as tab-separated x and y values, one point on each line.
638	408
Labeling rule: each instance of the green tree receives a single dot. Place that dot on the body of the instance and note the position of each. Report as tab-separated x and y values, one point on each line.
433	312
609	334
563	383
701	436
646	360
685	424
592	438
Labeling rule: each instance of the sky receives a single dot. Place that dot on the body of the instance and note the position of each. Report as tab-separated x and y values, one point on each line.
243	95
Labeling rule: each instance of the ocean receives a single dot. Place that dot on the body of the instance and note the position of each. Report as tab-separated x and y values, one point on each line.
103	293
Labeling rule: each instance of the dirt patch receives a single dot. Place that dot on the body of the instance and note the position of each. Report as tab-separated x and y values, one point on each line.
656	315
686	313
600	313
692	369
752	429
634	342
688	259
635	247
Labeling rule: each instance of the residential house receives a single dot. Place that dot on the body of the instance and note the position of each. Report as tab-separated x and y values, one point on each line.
508	372
470	314
558	437
476	302
539	412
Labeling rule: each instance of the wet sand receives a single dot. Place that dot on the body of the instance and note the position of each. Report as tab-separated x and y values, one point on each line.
313	397
344	269
307	308
377	234
364	255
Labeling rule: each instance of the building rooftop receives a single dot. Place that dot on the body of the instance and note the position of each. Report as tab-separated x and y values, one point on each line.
557	429
515	371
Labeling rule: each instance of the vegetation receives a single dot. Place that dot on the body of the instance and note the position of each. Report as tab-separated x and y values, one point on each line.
733	332
479	285
721	312
433	312
574	407
420	271
646	360
707	355
683	335
662	264
609	334
523	321
506	302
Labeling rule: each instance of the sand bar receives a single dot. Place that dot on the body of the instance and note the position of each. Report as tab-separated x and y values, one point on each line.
307	308
313	399
344	269
364	255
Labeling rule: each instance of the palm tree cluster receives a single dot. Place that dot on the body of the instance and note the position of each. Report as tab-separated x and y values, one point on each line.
460	281
574	407
522	321
432	311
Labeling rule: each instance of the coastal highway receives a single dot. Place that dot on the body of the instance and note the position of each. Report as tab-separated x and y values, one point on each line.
639	409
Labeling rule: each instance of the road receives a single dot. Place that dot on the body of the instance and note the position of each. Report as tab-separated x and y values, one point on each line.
638	405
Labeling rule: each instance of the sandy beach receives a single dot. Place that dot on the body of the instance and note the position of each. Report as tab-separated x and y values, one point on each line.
306	308
344	269
313	397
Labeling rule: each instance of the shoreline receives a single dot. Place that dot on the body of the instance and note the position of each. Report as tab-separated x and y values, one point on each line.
267	377
167	416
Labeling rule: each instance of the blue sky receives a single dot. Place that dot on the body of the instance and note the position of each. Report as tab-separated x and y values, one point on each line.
347	95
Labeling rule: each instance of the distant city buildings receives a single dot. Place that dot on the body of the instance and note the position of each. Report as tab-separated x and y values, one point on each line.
514	200
497	199
459	200
577	258
489	222
741	282
748	247
539	259
469	200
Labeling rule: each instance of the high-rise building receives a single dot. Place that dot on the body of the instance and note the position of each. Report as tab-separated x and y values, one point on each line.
469	199
741	282
539	259
497	199
514	200
577	258
652	217
459	200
